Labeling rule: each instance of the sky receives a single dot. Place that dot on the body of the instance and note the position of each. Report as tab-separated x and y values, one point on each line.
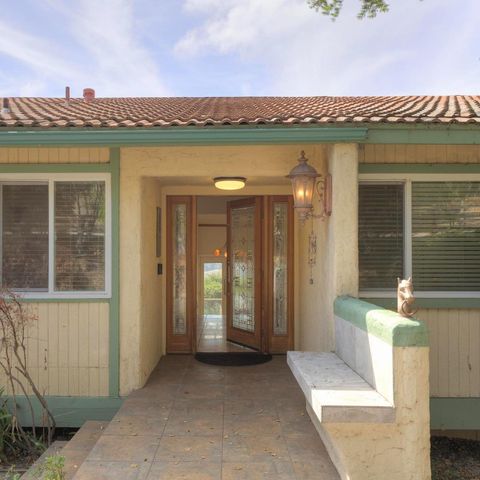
236	47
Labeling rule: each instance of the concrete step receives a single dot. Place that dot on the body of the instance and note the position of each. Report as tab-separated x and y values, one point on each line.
78	448
75	451
55	448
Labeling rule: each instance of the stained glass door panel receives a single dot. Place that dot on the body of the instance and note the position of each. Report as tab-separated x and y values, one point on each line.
279	282
180	273
244	297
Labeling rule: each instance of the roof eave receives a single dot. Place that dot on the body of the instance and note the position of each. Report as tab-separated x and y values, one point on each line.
239	135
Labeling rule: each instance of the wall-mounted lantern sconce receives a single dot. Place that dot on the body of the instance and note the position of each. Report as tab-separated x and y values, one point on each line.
305	182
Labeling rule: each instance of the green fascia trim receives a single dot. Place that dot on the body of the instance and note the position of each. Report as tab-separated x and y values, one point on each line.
418	168
54	168
114	313
182	136
457	303
69	411
384	324
239	135
455	413
424	134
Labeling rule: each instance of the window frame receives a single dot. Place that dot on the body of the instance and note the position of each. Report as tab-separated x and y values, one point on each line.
50	179
407	179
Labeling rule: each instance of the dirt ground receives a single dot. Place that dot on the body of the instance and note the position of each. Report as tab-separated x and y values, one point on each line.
455	459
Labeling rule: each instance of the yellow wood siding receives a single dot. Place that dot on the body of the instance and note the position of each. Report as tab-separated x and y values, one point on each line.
376	153
454	351
68	348
54	155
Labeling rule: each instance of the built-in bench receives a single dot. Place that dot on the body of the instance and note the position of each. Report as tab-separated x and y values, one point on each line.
369	400
335	392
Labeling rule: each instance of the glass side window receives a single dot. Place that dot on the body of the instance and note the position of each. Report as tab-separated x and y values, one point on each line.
25	237
380	235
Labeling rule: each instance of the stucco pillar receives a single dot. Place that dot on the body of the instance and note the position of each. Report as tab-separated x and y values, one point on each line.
342	228
130	277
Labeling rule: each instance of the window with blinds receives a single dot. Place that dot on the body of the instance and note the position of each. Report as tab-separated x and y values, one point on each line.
25	236
446	236
380	235
79	236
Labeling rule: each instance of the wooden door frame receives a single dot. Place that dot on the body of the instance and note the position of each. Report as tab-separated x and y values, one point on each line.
268	341
249	339
278	343
182	343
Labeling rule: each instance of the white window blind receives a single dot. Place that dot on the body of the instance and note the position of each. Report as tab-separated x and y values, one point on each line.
446	236
25	236
380	235
79	236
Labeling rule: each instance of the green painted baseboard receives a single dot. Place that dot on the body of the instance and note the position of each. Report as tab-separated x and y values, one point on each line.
455	413
71	411
445	413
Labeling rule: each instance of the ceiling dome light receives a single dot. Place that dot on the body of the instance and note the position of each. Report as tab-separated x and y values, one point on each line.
230	183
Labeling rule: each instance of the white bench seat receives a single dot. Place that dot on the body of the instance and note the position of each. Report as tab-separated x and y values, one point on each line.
336	393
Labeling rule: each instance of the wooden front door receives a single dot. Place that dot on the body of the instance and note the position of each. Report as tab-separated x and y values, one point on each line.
259	273
244	272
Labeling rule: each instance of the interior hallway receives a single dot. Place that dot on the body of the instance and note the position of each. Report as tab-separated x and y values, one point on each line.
212	336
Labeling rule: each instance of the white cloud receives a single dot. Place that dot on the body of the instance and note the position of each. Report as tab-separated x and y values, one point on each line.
121	65
33	51
108	54
301	52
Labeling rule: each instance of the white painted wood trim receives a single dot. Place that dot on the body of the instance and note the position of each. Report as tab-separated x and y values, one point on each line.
51	178
407	179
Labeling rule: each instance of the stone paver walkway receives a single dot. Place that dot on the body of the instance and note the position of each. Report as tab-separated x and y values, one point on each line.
200	422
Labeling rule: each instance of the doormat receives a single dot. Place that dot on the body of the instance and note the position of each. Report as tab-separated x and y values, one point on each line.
233	359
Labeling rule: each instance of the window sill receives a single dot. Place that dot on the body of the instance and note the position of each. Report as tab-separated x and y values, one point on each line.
33	297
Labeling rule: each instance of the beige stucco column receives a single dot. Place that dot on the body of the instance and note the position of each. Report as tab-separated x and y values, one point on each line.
335	269
342	228
130	274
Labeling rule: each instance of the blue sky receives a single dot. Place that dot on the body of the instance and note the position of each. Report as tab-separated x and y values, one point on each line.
236	47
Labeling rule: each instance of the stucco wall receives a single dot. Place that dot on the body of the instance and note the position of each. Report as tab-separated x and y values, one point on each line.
188	171
336	270
400	450
151	334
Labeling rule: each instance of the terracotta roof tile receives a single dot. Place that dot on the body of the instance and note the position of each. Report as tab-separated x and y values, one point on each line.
212	111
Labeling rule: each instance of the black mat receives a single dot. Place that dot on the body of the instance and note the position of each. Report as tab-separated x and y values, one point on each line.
232	359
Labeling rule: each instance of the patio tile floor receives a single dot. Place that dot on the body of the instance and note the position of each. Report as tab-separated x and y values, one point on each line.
199	422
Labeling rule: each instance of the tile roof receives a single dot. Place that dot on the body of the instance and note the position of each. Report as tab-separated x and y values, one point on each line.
223	111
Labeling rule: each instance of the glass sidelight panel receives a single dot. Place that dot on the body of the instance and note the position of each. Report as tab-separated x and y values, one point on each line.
280	268
243	268
179	258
